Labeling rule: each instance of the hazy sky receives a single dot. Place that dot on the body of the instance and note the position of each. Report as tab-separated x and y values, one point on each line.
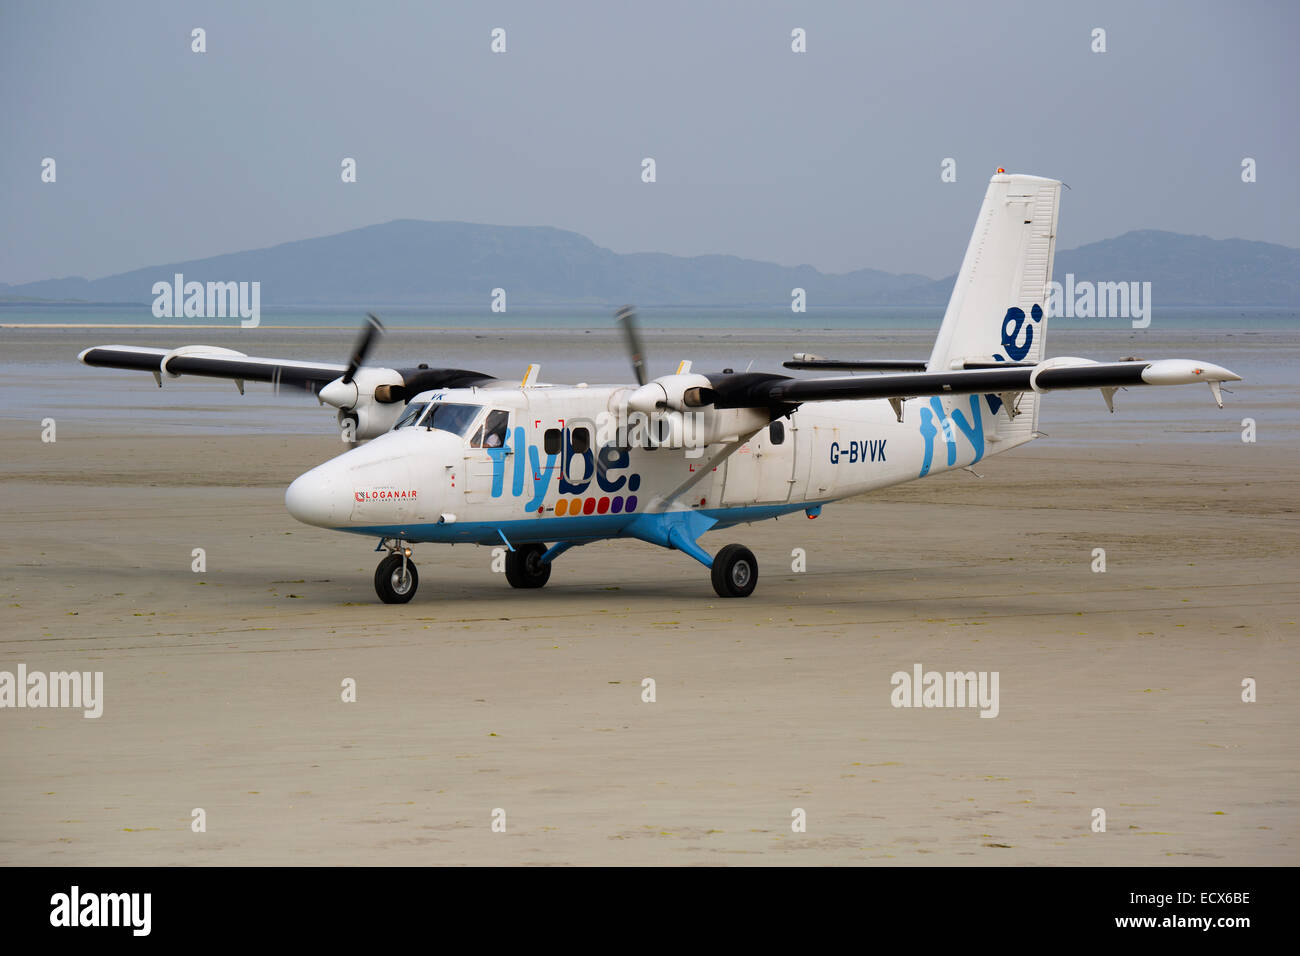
831	157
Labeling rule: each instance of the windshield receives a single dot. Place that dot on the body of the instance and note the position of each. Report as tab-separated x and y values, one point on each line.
444	416
451	417
412	414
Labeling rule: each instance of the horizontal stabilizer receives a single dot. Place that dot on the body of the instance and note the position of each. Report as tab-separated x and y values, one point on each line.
876	365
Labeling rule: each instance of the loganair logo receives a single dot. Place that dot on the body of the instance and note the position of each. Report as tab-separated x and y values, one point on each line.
523	470
936	422
385	494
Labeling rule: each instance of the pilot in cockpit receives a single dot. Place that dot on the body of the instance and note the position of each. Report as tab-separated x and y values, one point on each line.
493	432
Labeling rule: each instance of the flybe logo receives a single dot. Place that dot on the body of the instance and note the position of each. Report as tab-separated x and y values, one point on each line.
936	422
524	470
1017	342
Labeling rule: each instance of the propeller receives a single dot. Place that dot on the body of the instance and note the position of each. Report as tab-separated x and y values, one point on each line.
626	317
370	332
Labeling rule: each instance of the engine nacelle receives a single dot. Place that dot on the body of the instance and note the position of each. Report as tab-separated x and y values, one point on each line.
678	392
365	401
361	389
369	419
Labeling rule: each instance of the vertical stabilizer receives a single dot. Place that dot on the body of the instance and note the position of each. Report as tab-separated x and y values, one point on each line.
998	307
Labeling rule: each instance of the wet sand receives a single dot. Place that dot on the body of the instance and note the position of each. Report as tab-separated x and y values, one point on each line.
1118	690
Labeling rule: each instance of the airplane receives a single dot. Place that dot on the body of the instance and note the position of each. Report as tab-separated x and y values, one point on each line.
453	456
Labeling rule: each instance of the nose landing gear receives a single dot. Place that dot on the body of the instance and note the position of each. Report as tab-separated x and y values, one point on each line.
396	578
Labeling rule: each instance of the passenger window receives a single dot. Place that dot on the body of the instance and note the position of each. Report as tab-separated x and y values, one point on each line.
551	441
776	432
581	440
493	432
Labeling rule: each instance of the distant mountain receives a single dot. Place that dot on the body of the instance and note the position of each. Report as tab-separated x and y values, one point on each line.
412	262
1182	270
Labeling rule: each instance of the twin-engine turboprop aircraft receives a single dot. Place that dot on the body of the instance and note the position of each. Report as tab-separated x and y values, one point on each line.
460	456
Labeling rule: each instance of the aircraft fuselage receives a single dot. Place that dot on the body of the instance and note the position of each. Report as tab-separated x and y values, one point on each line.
564	471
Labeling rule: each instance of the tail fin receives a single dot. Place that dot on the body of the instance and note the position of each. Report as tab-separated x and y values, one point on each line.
998	307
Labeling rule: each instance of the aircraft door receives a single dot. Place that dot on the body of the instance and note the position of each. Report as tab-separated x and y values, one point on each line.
489	458
763	468
740	482
821	473
776	461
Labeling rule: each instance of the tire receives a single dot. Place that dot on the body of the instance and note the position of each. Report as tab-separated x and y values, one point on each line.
524	567
388	580
735	572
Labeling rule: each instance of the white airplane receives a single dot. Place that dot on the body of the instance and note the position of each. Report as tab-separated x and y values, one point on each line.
462	457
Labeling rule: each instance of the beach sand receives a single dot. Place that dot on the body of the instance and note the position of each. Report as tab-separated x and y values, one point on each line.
222	691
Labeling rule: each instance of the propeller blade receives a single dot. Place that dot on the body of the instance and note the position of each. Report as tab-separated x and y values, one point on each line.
370	333
626	317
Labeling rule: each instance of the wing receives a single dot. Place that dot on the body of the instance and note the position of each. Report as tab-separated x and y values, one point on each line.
212	362
775	391
371	397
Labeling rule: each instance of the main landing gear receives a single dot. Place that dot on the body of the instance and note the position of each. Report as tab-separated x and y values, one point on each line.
525	567
734	571
396	578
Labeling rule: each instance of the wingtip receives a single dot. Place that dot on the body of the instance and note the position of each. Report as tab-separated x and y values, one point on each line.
1185	372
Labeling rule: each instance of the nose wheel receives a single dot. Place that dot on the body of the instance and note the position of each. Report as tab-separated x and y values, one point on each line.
735	571
396	579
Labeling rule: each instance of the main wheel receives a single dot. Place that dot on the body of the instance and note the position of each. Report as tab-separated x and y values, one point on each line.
735	572
393	583
524	566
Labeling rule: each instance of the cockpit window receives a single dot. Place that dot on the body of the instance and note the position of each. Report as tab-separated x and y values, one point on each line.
411	415
451	417
492	433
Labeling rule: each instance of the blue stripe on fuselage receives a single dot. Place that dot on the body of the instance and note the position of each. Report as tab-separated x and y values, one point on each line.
582	528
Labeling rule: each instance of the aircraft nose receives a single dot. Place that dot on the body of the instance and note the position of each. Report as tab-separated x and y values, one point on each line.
316	498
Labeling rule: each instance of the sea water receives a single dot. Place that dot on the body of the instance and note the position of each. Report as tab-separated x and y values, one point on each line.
40	376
